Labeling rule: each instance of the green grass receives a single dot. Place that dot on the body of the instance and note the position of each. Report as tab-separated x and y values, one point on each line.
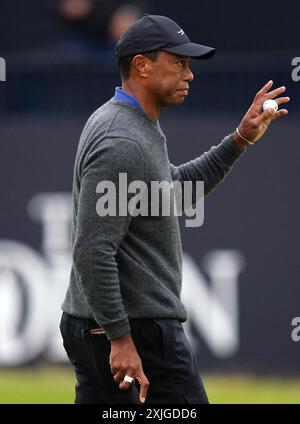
44	385
56	385
252	390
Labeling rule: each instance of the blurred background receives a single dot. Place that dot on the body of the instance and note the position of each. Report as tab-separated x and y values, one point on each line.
241	270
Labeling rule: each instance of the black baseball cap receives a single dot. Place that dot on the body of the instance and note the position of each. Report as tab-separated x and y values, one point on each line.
154	32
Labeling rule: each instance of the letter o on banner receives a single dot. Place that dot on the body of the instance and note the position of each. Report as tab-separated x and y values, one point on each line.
24	303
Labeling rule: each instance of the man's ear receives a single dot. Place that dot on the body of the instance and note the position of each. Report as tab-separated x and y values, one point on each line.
142	65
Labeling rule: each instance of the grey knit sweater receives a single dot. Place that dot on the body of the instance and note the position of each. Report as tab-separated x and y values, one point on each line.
130	266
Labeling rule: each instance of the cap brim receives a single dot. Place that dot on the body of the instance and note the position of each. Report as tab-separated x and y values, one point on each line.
196	51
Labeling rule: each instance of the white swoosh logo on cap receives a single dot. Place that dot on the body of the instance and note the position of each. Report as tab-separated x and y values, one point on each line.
181	32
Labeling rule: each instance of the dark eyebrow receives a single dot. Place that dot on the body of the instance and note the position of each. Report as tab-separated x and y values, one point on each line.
187	58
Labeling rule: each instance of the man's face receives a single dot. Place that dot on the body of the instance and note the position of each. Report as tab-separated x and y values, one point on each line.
168	79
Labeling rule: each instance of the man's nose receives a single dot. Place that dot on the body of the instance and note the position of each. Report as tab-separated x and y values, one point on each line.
189	76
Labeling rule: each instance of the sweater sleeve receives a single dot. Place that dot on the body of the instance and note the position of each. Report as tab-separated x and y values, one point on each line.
98	237
211	167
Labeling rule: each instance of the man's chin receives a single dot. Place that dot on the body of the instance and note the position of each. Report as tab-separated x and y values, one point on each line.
176	101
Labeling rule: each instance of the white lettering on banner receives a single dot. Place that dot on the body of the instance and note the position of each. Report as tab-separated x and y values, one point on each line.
214	310
33	286
24	329
54	210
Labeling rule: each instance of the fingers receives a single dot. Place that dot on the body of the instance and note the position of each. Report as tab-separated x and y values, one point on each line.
256	121
119	378
263	94
270	113
267	114
125	385
282	100
119	375
275	93
279	114
265	89
144	385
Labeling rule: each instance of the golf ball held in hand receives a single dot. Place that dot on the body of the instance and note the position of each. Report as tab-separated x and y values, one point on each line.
270	104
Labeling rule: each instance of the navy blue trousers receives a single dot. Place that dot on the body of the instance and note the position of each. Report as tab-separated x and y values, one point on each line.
166	355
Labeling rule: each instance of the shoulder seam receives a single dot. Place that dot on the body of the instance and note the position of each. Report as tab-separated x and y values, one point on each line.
139	146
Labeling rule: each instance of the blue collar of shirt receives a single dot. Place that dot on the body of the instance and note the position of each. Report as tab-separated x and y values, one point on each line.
122	96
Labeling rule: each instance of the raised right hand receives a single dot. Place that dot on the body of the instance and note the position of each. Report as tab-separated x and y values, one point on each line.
256	121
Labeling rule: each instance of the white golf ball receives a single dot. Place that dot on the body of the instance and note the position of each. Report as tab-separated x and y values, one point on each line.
270	104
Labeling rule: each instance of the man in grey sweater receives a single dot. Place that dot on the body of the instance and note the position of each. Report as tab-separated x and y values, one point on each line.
122	319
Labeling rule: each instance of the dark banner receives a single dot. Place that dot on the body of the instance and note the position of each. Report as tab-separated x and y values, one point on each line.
241	267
